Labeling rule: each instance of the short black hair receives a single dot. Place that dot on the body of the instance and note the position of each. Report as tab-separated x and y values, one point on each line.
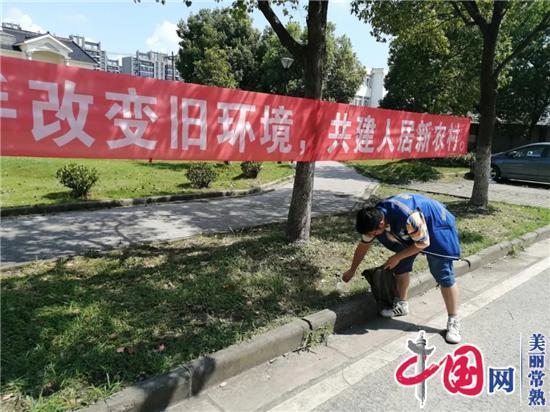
368	219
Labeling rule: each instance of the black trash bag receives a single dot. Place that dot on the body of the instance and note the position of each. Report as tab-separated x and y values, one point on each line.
383	286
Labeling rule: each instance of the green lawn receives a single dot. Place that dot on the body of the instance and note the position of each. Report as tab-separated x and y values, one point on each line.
32	181
81	329
404	171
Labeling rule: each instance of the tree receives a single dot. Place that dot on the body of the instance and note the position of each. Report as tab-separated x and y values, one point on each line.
310	55
214	69
426	75
408	19
526	98
308	48
343	75
218	45
344	72
250	60
273	78
533	19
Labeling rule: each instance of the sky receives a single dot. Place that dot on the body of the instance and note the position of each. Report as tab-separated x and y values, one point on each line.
123	26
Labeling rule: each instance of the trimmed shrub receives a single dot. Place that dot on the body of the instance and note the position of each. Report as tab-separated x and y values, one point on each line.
251	169
201	174
78	178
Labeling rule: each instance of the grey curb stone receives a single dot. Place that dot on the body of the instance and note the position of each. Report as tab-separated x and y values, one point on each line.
153	394
158	392
215	368
105	204
323	318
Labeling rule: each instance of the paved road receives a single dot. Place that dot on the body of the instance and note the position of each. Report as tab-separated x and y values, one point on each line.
516	193
27	238
503	302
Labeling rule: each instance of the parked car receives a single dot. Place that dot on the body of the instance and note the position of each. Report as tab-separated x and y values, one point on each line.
530	163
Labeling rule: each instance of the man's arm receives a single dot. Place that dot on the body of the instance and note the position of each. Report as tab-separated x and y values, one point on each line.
413	249
360	252
418	231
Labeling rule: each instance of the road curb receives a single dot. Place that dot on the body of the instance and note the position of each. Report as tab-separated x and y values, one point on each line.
107	204
157	393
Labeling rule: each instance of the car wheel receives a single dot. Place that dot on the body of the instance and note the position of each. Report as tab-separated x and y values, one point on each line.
495	174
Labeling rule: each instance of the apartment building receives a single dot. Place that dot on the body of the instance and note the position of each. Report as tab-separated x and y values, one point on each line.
151	64
94	49
112	66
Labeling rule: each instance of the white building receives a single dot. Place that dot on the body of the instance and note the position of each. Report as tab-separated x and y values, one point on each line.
372	90
94	49
24	44
151	64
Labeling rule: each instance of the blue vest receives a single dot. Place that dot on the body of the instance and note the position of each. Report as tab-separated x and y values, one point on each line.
440	222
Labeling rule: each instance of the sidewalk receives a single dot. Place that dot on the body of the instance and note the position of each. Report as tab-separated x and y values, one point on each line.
28	238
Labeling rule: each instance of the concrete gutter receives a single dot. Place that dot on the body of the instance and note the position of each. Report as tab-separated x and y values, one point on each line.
104	204
159	392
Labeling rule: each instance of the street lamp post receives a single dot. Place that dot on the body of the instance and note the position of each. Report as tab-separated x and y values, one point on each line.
286	62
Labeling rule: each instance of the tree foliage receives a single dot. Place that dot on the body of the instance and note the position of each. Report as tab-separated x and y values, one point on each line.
344	73
218	45
214	69
503	30
213	52
426	75
273	78
525	98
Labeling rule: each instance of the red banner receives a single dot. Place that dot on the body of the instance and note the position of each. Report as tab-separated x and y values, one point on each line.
51	110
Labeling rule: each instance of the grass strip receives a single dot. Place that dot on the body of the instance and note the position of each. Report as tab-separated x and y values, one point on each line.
403	171
31	181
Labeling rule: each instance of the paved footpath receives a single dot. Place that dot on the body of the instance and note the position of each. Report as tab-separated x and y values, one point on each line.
503	304
515	193
28	238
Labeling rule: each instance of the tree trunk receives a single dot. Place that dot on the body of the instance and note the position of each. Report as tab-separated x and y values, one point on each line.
488	86
299	213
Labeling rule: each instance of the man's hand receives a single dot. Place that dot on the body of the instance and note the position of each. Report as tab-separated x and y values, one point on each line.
347	275
392	262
